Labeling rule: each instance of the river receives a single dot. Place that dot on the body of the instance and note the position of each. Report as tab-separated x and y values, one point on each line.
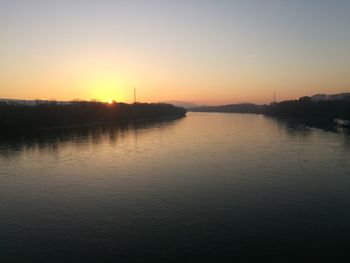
207	187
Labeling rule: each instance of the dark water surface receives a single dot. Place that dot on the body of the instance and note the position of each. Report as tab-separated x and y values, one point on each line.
208	187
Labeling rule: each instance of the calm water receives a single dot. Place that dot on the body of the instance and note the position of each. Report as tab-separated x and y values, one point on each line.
206	187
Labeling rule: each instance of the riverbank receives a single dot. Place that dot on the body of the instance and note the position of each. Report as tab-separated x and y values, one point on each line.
50	116
317	113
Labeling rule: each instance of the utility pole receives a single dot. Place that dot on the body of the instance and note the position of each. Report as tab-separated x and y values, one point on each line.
274	97
134	95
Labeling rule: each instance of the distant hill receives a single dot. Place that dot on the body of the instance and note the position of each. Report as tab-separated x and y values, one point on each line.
183	104
234	108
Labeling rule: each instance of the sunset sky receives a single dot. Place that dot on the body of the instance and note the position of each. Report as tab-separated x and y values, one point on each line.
208	52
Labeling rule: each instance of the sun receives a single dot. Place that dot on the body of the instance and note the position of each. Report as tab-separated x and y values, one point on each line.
110	101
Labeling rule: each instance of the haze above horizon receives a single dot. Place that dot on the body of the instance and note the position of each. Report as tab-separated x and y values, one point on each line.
207	52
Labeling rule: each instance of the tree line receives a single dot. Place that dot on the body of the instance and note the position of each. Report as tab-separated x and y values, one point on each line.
302	108
305	107
19	117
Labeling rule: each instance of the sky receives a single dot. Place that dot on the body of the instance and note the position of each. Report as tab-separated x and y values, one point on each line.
206	52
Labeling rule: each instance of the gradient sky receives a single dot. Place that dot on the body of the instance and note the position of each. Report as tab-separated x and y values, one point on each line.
210	52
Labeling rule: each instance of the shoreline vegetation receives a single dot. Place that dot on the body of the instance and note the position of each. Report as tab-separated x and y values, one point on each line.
20	118
320	113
